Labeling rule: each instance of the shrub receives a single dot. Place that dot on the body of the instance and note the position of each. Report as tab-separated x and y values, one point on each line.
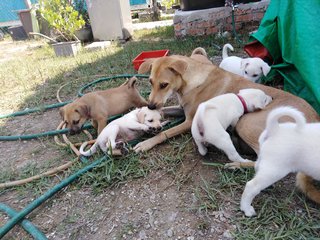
62	17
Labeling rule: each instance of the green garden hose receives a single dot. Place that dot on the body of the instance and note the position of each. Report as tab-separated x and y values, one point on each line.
19	216
27	225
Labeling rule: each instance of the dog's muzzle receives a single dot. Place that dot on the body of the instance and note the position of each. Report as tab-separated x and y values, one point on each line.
152	106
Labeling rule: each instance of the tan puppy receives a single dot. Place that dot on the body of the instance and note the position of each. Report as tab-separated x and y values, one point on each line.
99	105
195	82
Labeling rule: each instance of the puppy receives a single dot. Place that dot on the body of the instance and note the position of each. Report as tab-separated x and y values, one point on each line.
99	105
129	127
249	68
284	148
215	115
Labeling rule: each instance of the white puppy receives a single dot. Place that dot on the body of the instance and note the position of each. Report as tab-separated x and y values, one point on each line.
284	148
250	68
128	127
215	115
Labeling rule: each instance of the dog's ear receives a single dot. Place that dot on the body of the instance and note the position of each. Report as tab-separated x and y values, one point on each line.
61	112
265	68
178	67
244	63
83	110
131	82
141	116
146	66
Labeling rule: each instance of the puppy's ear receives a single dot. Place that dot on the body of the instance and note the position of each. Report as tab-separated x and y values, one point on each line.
178	67
61	112
84	110
141	115
146	66
131	82
244	63
265	68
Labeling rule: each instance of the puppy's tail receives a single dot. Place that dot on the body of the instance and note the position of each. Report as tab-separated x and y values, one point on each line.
200	51
225	50
200	115
274	116
91	151
305	185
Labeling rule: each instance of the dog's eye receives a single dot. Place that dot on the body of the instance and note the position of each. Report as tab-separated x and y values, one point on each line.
245	72
255	75
76	122
151	120
163	85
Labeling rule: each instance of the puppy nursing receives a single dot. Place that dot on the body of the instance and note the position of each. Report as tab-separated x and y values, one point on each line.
129	127
249	68
284	148
215	115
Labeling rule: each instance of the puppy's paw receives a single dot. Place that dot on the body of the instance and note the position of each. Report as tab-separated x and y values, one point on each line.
249	211
122	147
233	165
246	160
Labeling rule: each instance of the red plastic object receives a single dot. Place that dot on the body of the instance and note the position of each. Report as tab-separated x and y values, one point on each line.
138	60
256	49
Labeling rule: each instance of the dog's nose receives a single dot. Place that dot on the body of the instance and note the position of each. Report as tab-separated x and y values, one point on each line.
159	128
152	106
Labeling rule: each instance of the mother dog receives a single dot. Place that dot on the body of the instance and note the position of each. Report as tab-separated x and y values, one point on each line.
195	82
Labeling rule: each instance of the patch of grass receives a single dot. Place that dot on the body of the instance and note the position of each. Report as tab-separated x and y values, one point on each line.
114	171
279	216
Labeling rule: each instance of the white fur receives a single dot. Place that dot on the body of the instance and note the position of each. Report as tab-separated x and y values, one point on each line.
128	127
215	115
284	148
250	68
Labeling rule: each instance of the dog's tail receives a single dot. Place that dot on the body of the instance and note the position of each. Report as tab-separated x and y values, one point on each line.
274	116
306	185
201	111
90	152
200	115
225	50
200	51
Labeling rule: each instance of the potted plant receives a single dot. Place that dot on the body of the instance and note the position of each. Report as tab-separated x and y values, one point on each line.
64	21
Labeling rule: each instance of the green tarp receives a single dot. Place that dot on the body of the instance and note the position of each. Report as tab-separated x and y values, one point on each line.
290	30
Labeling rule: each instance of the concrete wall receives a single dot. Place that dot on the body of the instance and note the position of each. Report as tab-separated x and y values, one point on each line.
210	21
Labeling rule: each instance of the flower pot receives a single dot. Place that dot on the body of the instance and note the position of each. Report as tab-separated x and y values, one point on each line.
63	49
84	34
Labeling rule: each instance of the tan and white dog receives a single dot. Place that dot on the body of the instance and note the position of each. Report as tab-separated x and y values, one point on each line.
284	148
195	82
128	127
249	68
214	116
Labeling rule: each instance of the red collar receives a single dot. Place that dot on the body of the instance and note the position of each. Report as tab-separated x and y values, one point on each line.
245	108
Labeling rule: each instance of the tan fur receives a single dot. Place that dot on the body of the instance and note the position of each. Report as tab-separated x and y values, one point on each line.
199	82
200	55
99	105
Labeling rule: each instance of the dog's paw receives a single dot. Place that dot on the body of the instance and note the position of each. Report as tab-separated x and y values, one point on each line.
233	165
246	160
122	147
249	211
143	146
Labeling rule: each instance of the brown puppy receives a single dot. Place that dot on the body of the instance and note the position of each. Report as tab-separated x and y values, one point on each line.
195	82
99	105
